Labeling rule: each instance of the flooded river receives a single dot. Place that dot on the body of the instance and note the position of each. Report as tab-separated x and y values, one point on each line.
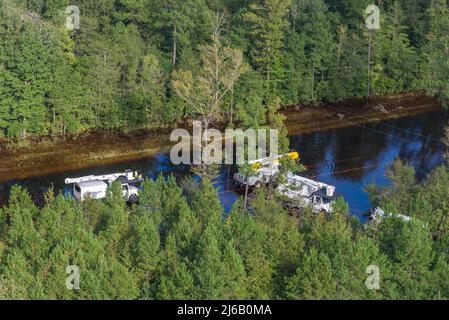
349	158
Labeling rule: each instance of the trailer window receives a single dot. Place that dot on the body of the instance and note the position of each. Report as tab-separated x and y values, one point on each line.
77	188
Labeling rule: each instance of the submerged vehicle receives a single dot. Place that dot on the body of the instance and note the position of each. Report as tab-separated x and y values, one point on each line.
95	187
378	214
300	192
265	170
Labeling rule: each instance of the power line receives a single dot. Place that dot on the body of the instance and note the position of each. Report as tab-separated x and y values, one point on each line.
385	124
322	67
442	152
360	168
297	70
285	79
339	172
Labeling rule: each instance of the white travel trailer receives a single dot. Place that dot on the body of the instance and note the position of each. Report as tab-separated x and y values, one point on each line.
301	192
264	170
95	187
378	214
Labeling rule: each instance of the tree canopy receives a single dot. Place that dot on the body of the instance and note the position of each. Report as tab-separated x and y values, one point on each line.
131	63
179	245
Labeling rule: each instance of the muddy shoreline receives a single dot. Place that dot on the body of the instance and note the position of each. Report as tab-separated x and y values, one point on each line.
43	158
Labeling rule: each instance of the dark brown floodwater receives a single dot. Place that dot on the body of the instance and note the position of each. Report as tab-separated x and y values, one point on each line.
349	158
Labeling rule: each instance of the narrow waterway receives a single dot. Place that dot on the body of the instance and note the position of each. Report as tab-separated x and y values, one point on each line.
349	158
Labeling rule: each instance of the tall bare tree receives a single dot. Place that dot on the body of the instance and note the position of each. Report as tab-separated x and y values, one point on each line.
221	67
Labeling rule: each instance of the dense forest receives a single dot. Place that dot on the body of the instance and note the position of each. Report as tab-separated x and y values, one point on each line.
145	63
178	244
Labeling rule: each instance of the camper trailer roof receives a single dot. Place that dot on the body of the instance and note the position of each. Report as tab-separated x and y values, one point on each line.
323	194
94	184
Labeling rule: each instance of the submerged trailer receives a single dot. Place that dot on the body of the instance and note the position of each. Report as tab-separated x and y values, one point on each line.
300	193
95	187
378	214
265	170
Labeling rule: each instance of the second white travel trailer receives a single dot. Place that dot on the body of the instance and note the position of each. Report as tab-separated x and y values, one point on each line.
264	170
298	191
301	192
378	214
95	187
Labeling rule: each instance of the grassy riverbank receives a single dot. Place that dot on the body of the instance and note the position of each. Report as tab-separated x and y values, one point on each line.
47	157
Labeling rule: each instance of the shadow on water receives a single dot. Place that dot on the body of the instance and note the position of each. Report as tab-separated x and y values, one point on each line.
349	158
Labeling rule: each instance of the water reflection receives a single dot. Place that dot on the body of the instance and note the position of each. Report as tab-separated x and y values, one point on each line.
351	158
348	158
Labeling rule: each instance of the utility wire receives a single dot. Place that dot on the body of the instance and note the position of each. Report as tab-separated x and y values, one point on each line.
360	168
339	172
442	152
385	124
